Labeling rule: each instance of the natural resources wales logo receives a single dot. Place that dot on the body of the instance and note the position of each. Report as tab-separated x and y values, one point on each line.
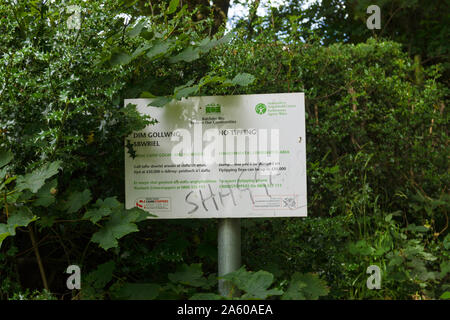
260	108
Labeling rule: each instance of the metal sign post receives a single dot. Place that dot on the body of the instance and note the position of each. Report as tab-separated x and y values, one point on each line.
229	251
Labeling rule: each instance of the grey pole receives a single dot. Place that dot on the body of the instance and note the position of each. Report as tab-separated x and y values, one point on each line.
229	250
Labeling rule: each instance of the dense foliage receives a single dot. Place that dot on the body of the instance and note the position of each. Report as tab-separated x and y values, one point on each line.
377	152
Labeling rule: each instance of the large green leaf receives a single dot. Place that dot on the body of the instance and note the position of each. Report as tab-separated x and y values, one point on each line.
189	54
20	217
102	208
172	6
100	277
185	92
120	223
5	157
142	48
136	30
36	179
255	284
160	101
45	195
243	79
3	232
445	295
159	47
305	287
77	200
189	275
119	57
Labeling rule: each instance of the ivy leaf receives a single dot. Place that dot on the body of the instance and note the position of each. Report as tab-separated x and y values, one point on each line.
36	179
130	149
189	275
5	157
243	79
305	287
77	200
138	291
255	284
119	225
45	195
189	54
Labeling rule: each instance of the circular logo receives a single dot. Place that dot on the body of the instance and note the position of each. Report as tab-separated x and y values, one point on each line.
260	108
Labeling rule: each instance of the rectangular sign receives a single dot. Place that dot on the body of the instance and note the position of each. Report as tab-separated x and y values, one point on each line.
219	157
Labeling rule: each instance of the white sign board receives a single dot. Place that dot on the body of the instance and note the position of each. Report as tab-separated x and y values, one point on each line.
219	157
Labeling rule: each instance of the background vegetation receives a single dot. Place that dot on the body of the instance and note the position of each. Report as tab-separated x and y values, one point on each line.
377	148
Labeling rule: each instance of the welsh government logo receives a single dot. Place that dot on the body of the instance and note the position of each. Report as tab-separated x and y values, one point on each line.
260	108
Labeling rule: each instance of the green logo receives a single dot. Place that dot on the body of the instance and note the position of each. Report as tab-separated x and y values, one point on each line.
213	108
260	108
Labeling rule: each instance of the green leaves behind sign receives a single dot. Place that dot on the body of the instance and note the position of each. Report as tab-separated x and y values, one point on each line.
36	179
305	287
120	223
255	284
21	217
